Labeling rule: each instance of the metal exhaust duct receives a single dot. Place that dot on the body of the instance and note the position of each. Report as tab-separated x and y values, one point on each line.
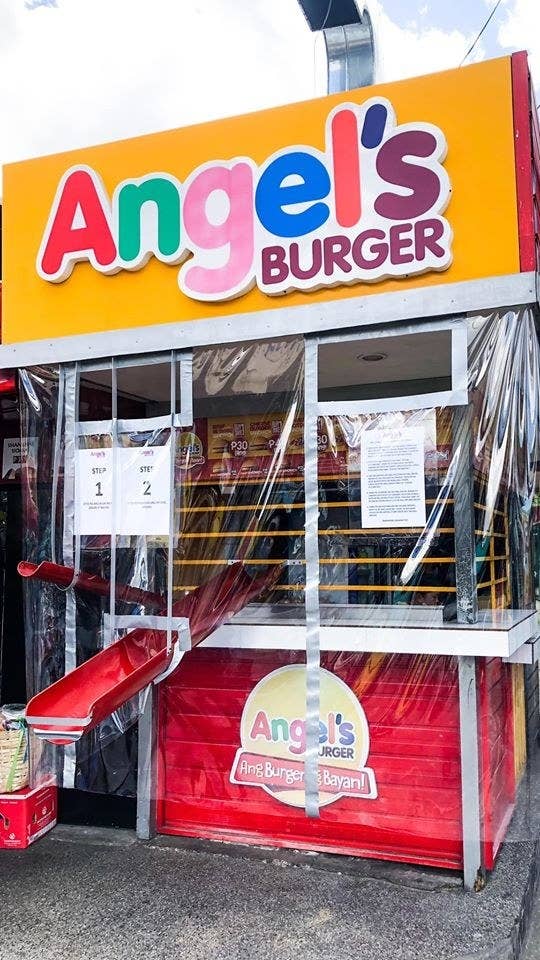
349	42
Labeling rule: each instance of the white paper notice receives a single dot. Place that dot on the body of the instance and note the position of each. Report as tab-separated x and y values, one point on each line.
16	454
392	478
145	495
93	492
142	491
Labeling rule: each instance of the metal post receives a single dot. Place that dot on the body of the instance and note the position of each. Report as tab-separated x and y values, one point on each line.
467	612
464	514
147	766
147	781
71	541
349	41
311	541
351	55
470	774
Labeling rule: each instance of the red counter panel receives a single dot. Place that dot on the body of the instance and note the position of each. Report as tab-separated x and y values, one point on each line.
411	705
412	709
497	768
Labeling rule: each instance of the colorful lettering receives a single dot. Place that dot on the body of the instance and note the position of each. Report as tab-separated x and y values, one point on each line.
346	164
221	236
368	206
422	183
79	228
332	732
261	727
275	193
147	217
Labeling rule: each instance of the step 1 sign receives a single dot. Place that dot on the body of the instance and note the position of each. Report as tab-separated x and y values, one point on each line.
142	491
93	492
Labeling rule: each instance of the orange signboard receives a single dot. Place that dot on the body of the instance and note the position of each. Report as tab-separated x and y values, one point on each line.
410	183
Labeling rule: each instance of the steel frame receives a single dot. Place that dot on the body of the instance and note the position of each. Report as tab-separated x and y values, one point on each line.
442	300
68	419
467	605
464	512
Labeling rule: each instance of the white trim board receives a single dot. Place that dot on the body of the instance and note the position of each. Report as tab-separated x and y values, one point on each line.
411	303
460	641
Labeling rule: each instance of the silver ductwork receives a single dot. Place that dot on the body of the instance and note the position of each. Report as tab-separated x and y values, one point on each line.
348	41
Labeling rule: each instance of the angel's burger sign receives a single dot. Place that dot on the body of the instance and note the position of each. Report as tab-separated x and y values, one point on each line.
368	206
273	738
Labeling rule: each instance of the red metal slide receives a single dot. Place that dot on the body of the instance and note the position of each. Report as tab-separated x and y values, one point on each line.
83	698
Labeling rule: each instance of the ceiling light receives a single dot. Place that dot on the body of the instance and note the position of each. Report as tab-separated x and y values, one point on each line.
372	357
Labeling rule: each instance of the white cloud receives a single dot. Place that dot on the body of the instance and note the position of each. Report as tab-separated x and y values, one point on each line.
92	70
417	48
520	30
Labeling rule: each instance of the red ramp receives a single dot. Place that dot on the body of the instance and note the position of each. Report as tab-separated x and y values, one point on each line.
83	698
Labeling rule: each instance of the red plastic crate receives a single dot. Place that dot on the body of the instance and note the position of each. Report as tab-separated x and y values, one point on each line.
26	815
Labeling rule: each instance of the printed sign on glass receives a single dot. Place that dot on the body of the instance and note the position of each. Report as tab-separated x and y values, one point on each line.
392	478
273	740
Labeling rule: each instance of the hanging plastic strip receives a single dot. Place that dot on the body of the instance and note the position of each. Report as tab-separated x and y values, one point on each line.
313	621
71	540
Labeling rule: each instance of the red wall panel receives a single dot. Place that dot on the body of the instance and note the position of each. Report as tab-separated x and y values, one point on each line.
411	704
525	127
497	776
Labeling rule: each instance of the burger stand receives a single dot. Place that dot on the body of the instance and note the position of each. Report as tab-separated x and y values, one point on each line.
355	246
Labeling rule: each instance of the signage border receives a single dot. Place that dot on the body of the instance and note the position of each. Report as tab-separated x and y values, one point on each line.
468	296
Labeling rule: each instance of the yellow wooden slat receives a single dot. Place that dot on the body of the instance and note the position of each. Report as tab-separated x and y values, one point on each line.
331	562
488	536
482	506
255	508
491	583
224	534
519	711
369	589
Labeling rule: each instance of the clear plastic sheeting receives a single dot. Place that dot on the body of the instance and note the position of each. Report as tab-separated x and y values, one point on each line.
418	487
146	519
242	467
349	524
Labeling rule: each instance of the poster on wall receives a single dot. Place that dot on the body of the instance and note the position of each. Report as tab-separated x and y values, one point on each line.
392	478
142	491
256	445
273	740
16	454
93	491
144	496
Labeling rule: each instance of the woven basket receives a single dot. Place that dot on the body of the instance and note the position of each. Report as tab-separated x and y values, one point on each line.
13	759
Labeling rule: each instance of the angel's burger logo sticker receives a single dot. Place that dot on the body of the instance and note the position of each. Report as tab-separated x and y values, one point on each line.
273	738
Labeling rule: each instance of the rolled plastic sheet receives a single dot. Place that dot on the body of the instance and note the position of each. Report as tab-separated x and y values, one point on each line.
426	520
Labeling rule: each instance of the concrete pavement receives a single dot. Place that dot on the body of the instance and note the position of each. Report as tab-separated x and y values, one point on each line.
532	944
91	894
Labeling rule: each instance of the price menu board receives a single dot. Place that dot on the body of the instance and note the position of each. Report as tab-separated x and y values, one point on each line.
251	447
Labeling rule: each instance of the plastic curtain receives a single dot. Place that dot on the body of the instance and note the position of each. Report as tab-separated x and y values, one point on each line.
231	718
